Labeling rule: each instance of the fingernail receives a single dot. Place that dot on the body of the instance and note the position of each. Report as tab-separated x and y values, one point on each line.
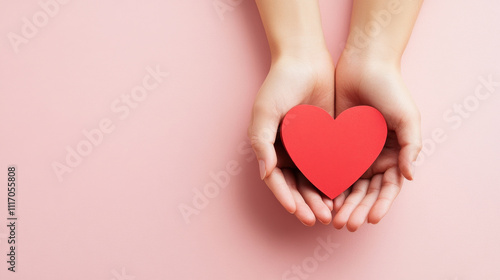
262	169
412	170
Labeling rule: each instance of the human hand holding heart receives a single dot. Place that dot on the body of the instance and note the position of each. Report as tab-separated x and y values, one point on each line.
370	197
333	154
291	81
378	83
302	72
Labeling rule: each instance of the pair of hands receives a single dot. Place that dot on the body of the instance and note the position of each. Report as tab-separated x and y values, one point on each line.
311	78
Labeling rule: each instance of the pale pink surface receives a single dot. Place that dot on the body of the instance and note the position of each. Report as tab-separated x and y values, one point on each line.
120	207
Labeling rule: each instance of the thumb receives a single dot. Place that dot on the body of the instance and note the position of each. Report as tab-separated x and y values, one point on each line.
262	133
410	140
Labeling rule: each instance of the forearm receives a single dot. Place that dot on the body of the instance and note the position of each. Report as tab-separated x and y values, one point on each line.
382	28
293	27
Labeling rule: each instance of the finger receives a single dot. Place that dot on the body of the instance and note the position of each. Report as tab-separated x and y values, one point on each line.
339	200
357	194
328	202
279	184
387	158
410	140
392	182
262	133
314	200
360	214
303	212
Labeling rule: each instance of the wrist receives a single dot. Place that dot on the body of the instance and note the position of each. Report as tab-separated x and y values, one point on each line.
372	54
306	58
301	48
367	65
293	28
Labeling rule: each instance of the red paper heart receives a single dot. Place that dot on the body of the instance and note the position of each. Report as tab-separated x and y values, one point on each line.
333	154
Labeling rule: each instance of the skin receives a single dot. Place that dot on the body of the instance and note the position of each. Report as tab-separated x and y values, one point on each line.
368	73
302	72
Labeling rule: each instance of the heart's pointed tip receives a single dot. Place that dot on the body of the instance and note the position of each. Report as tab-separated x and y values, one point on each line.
330	192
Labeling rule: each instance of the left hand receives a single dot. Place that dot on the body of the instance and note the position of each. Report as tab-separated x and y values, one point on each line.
377	83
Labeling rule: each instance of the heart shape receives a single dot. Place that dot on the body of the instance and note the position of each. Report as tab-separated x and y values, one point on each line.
333	153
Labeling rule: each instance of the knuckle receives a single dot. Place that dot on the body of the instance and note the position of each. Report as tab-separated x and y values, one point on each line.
259	107
255	141
418	145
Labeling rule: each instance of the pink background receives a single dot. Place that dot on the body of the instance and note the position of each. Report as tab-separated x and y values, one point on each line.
116	215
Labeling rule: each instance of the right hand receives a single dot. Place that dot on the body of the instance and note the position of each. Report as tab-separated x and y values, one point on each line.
375	81
307	78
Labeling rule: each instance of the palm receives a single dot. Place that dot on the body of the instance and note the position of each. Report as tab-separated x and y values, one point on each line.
372	195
